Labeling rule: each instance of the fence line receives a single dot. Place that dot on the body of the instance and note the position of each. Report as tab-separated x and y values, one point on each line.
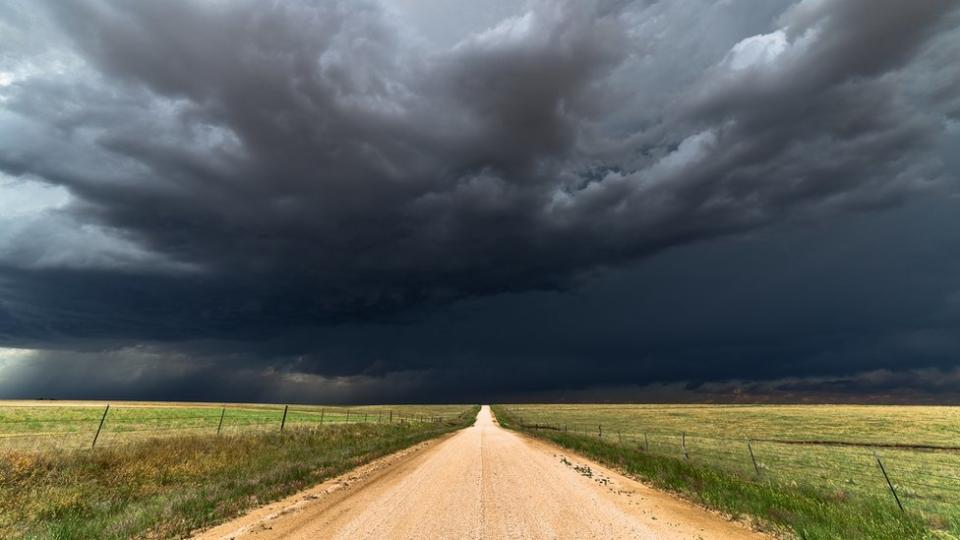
119	424
771	460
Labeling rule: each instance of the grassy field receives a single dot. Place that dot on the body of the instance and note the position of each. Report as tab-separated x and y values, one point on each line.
47	425
814	469
164	484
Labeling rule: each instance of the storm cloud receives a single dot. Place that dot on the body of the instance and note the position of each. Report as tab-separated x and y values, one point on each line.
279	178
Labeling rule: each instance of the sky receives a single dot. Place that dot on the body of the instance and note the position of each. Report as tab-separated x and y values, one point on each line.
451	201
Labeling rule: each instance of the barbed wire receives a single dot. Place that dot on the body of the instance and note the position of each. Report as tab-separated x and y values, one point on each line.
804	462
615	425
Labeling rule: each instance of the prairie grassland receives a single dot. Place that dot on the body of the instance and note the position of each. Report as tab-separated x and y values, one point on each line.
168	485
45	425
825	453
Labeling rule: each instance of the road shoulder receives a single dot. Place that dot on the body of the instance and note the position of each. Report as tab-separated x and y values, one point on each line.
323	495
628	492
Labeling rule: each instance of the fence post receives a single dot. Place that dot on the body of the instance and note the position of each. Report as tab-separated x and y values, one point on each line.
391	416
283	421
220	425
646	443
364	418
321	415
889	483
102	418
683	445
600	431
379	416
347	421
752	458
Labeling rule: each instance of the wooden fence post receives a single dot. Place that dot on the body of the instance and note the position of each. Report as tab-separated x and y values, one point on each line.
223	411
379	416
752	457
599	431
646	443
283	421
348	417
321	415
683	445
889	483
102	418
391	416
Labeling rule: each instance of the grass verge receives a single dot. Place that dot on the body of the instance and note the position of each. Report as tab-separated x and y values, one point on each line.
167	487
788	510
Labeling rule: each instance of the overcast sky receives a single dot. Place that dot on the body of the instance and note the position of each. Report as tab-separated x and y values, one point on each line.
449	200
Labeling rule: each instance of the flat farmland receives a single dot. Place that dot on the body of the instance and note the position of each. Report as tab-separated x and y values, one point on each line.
836	450
161	470
60	425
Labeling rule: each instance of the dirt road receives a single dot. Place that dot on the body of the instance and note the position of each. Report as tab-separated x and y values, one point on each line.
482	482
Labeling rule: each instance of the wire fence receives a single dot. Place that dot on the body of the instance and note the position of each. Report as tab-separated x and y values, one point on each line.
921	477
52	428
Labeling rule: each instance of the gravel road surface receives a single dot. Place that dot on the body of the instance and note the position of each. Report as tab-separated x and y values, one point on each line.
481	482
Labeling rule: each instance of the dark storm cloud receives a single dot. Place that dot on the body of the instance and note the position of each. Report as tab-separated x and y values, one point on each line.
253	170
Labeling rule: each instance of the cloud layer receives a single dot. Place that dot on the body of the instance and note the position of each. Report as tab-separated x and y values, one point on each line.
232	170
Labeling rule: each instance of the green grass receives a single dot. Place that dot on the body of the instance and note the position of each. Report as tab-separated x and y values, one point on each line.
167	486
815	489
45	425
